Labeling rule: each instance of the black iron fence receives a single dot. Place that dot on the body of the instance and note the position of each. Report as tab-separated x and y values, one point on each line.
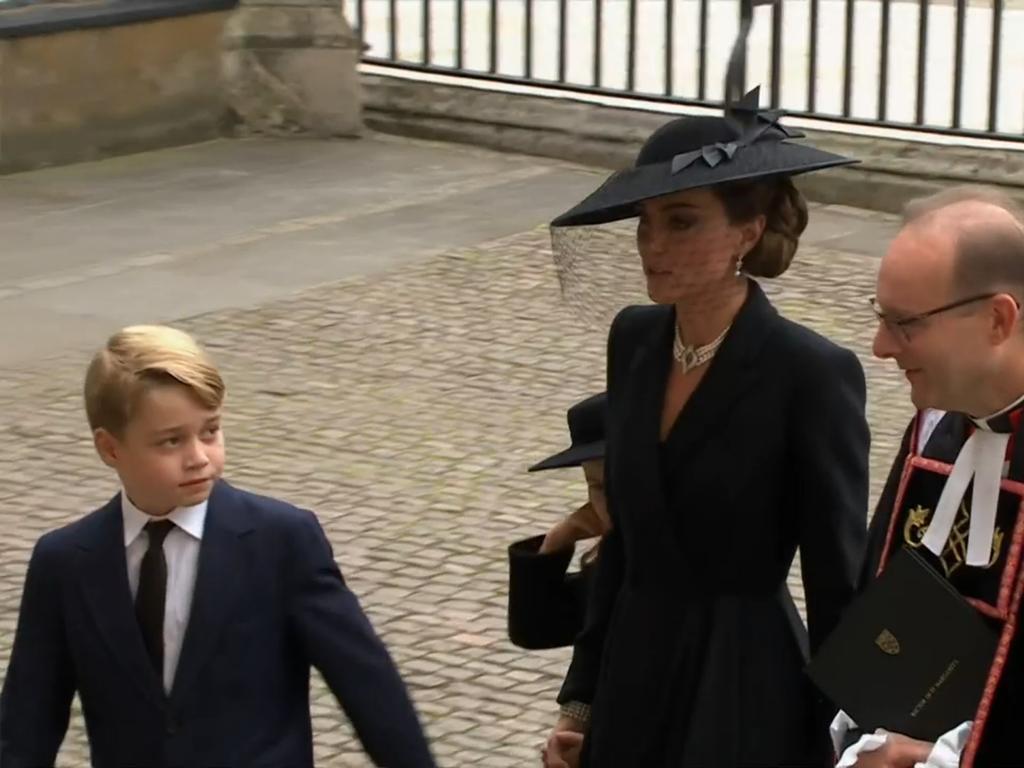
940	66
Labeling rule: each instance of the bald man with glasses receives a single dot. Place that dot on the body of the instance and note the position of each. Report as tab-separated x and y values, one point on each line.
949	308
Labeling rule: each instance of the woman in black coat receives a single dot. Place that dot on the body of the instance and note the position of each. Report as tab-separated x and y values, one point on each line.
547	603
735	436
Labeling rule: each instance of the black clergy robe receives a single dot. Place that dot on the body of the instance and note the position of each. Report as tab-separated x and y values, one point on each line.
903	514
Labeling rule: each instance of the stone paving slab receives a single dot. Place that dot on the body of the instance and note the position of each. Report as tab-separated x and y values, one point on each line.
404	407
240	223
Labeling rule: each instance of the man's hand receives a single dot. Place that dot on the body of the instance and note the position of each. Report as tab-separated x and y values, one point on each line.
562	749
898	752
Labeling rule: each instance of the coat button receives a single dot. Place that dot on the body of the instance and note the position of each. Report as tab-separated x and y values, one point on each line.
173	726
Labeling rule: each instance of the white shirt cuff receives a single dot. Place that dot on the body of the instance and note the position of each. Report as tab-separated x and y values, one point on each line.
945	752
842	723
866	743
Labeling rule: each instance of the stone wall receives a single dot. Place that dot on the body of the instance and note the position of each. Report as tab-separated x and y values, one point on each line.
891	171
291	66
93	78
80	94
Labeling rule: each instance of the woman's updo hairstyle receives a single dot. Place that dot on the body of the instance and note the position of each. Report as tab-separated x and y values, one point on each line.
785	212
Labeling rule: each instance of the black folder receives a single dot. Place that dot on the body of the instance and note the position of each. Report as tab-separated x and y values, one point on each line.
910	655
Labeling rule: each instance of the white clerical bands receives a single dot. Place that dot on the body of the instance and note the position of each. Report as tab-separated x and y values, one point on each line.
981	459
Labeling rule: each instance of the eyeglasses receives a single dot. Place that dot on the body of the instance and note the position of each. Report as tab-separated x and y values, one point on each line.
902	327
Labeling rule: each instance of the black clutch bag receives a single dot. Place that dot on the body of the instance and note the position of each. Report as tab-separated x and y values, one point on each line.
546	604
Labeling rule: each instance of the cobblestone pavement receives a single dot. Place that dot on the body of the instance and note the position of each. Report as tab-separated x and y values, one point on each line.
404	408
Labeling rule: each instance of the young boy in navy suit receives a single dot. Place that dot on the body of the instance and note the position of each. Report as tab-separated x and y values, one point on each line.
185	612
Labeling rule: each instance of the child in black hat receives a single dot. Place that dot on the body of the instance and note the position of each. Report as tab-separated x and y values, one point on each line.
545	603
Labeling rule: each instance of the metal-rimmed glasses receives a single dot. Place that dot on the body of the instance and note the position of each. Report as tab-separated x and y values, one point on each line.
902	327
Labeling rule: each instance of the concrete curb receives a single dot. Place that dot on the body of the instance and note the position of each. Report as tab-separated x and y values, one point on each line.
891	172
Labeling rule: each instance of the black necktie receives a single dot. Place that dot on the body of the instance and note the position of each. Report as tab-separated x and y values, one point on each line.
152	592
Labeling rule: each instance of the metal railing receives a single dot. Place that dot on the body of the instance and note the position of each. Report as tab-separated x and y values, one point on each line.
893	63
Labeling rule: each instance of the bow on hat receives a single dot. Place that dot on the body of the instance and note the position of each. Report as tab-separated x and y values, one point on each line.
712	154
753	123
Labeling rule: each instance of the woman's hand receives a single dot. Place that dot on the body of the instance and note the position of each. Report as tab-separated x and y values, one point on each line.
562	749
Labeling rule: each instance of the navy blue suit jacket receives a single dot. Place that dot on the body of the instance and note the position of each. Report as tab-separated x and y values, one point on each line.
269	603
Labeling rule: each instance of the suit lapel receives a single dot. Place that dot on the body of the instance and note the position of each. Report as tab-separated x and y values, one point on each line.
642	400
103	577
221	565
947	438
731	372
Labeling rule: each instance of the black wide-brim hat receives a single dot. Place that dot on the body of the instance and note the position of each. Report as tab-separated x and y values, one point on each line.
701	151
587	432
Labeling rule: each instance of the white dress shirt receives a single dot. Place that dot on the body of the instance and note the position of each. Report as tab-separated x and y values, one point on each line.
181	550
930	418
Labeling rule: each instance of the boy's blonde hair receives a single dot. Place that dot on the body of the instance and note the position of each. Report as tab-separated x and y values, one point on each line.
137	358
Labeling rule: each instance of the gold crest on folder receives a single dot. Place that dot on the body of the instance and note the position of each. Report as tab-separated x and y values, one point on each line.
888	643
